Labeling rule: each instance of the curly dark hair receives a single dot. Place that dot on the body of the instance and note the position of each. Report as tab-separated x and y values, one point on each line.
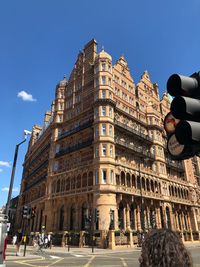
164	248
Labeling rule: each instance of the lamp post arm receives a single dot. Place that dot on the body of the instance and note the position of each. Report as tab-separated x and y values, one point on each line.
12	176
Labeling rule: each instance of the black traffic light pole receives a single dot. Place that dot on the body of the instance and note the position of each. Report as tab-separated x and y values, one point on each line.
12	176
25	236
92	229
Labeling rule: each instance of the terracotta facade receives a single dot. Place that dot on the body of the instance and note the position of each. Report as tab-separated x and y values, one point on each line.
102	149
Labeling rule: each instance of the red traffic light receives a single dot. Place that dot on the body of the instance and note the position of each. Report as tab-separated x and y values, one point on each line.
170	123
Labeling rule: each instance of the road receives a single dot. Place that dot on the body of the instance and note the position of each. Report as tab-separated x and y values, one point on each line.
110	259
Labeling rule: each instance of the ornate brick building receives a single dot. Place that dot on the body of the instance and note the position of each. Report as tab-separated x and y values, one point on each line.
102	149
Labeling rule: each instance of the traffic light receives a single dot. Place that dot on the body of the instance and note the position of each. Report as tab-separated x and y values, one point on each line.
182	124
96	215
25	211
89	218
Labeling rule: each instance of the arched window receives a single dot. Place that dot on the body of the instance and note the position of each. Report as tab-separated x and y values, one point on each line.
143	183
117	179
152	186
61	219
72	183
133	181
53	188
84	180
72	217
132	217
138	182
175	191
62	185
128	180
78	181
90	179
123	178
170	190
147	185
67	184
168	218
84	216
58	186
156	187
121	216
179	195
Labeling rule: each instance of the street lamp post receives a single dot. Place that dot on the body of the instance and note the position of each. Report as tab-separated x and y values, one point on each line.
13	171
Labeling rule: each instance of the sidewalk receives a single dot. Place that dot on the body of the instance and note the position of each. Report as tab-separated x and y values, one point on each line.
86	251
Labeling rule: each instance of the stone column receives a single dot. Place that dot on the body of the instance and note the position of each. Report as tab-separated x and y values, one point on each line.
183	221
172	218
190	228
138	219
194	219
81	240
128	218
147	219
111	239
124	216
135	218
164	215
131	238
158	219
176	221
116	218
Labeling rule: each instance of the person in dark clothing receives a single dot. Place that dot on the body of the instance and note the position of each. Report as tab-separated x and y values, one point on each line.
18	242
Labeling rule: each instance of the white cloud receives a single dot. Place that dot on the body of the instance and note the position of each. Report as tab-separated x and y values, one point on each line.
1	170
4	189
5	164
25	96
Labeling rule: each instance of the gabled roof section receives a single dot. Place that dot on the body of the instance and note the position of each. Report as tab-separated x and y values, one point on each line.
145	76
77	66
167	99
122	67
146	83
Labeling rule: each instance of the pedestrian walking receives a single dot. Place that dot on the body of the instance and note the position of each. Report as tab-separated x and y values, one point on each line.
49	240
14	239
18	242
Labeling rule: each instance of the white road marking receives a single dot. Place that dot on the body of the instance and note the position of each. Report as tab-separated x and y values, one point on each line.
54	257
78	255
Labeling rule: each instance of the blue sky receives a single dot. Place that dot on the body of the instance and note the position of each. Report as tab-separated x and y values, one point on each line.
41	39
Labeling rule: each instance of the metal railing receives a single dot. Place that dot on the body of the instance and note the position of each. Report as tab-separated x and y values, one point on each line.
74	147
177	165
37	181
138	150
75	130
133	131
44	164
